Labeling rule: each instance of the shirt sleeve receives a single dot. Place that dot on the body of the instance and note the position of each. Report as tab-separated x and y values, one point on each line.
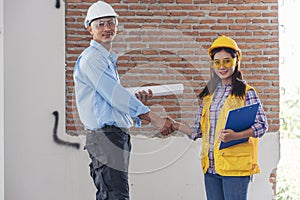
196	128
260	125
102	79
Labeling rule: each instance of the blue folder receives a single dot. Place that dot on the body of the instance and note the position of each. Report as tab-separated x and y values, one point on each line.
238	120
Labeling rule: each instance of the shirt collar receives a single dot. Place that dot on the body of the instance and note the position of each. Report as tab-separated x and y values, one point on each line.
220	85
111	55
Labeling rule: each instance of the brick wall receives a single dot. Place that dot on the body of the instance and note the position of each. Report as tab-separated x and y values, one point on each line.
166	42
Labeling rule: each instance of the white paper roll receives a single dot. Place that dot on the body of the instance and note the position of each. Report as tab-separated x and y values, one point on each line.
159	90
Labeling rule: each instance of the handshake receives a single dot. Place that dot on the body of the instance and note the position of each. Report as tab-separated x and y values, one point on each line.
166	125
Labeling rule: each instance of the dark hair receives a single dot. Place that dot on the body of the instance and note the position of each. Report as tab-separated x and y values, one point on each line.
238	84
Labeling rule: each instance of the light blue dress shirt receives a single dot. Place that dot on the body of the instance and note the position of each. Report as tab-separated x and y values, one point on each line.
101	99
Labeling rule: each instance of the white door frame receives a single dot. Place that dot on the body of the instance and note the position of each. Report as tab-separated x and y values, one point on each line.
1	100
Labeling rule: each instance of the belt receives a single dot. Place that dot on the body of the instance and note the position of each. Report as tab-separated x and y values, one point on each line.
108	128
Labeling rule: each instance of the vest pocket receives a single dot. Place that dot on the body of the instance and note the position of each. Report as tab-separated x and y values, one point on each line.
230	161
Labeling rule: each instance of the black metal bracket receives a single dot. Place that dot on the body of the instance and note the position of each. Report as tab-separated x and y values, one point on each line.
57	4
55	136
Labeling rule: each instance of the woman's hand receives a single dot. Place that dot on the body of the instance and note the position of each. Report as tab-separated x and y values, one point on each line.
227	135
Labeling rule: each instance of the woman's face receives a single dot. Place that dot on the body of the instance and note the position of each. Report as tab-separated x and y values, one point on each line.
223	65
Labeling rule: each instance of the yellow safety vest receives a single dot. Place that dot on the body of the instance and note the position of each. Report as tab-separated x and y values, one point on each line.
237	160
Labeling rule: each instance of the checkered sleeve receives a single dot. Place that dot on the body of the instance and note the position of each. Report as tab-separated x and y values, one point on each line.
260	126
196	128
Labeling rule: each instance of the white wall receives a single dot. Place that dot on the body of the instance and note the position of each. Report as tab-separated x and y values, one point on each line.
37	168
168	169
1	104
171	169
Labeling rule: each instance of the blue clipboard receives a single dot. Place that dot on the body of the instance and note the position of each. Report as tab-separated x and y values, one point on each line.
238	120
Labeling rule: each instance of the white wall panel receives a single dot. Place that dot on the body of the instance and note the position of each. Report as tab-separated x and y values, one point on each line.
1	102
35	167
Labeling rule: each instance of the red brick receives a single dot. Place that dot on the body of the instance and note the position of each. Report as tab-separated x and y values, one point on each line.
172	37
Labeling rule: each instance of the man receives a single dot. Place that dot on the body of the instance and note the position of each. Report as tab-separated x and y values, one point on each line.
106	108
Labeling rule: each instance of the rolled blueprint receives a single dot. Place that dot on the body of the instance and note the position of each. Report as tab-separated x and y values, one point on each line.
159	90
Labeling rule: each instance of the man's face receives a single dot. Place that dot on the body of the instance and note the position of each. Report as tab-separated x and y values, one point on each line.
103	30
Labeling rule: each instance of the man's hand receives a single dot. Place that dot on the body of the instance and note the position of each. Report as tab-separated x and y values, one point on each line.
144	96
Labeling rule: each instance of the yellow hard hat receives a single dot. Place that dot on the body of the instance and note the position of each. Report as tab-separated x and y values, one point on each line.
225	41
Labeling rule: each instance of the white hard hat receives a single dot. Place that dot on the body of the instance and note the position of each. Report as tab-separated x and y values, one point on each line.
98	10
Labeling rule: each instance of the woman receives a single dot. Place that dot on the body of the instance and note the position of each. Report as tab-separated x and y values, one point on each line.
227	172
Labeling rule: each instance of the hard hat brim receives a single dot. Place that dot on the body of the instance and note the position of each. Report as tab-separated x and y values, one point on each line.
214	47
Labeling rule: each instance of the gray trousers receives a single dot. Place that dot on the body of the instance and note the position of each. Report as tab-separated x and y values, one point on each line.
109	149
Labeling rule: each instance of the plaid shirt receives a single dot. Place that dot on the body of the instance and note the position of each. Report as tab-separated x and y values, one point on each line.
221	93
